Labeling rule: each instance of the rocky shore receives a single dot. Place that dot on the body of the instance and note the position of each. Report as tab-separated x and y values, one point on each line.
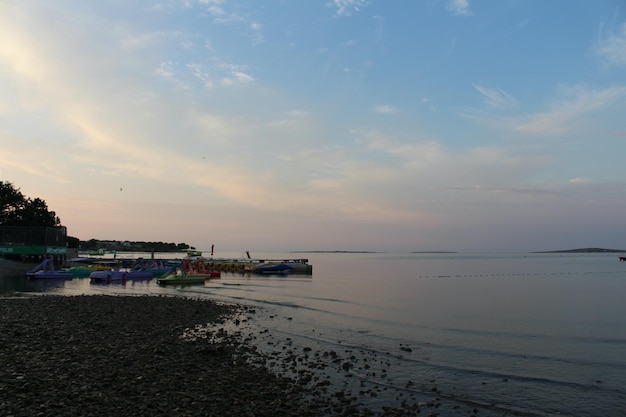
105	356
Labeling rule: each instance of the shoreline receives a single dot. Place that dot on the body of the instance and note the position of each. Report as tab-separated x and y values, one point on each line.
11	267
110	355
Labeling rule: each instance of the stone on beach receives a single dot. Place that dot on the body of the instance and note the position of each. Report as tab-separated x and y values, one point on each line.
102	355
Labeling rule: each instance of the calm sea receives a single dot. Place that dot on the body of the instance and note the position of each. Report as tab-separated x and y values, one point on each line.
456	334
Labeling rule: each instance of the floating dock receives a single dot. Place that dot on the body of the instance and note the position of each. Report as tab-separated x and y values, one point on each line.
298	266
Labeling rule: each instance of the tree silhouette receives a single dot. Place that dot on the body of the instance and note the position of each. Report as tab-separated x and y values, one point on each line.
18	210
11	204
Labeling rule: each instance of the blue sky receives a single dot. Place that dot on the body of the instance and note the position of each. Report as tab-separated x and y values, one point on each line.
321	125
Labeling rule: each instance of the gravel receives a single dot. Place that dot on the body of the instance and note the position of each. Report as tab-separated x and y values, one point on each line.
127	356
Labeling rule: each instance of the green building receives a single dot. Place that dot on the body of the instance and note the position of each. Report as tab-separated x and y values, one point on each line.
33	242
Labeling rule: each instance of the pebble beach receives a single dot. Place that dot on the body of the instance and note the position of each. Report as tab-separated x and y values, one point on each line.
107	355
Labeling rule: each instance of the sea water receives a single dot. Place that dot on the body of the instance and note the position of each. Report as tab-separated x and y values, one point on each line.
497	334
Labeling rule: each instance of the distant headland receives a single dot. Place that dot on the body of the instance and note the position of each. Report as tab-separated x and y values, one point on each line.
132	246
333	251
585	250
433	251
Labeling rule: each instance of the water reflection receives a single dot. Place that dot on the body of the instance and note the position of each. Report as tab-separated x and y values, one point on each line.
20	283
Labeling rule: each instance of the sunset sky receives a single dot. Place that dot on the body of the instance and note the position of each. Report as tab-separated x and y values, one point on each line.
403	125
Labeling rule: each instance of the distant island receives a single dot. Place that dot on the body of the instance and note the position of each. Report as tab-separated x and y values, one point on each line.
585	250
433	251
333	251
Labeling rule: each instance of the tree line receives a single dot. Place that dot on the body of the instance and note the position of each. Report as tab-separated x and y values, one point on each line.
18	210
121	246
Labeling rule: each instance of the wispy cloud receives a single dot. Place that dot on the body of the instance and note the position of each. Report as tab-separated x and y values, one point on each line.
237	76
12	161
169	72
346	7
459	7
216	8
223	12
612	48
580	181
184	77
202	72
496	98
566	112
132	41
503	190
385	109
257	34
577	102
291	119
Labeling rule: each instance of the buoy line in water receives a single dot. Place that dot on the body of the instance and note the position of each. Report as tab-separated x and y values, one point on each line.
522	274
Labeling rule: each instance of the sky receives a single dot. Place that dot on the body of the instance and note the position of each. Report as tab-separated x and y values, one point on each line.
284	125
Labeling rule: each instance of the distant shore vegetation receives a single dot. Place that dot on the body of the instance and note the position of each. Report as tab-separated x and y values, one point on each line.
585	250
132	246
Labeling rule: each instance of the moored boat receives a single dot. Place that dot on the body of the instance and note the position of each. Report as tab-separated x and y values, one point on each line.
182	278
299	266
272	268
100	252
189	272
46	270
119	276
198	268
156	268
82	269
